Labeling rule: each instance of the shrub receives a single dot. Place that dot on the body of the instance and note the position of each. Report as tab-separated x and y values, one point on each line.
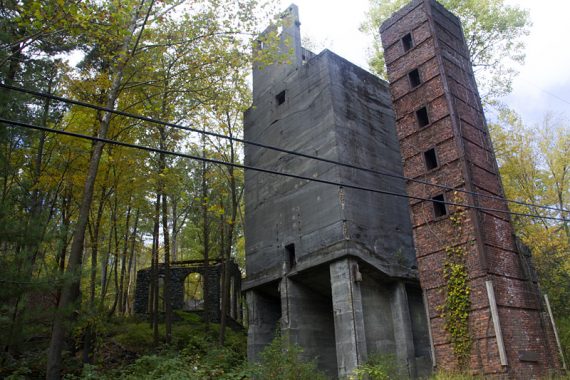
378	367
281	360
136	337
454	376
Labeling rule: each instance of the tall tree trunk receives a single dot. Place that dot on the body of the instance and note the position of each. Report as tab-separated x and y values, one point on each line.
167	278
155	270
562	206
71	289
65	223
89	334
31	248
174	238
116	256
206	235
165	235
105	261
126	307
95	247
230	238
124	262
14	66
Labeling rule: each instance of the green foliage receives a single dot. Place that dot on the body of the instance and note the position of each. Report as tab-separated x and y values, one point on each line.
135	337
441	375
534	163
563	325
378	367
281	360
160	367
465	376
29	365
193	354
184	63
455	309
494	33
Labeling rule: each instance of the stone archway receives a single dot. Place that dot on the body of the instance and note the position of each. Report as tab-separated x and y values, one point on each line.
182	272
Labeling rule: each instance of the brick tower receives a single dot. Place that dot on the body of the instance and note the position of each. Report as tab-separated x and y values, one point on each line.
444	140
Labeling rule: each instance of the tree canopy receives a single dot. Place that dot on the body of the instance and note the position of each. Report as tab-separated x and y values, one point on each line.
535	168
494	33
80	214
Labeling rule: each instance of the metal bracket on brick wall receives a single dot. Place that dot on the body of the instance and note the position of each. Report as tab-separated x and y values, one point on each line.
496	323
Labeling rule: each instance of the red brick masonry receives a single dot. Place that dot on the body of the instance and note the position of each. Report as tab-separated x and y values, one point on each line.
458	132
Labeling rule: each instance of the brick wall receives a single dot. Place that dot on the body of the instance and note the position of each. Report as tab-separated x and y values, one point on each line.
455	128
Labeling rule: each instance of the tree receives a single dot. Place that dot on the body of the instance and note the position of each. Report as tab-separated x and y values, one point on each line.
28	42
494	33
535	169
102	201
134	23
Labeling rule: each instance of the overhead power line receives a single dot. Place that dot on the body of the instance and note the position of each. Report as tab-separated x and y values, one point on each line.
267	171
547	92
270	147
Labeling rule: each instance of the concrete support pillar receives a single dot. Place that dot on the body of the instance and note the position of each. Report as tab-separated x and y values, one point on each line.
405	352
348	316
307	320
285	309
263	314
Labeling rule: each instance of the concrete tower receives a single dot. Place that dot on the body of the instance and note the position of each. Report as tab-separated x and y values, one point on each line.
332	266
444	140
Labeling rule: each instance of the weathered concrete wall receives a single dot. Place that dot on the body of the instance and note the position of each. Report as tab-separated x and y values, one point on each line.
307	318
312	238
267	77
281	210
455	128
264	315
420	330
377	312
336	111
365	135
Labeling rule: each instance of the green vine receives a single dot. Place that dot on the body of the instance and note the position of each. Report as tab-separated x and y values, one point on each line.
455	309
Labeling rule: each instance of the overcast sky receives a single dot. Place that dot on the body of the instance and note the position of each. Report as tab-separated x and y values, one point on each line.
544	81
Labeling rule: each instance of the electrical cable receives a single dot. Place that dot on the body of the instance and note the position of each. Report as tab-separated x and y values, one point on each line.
267	171
270	147
546	92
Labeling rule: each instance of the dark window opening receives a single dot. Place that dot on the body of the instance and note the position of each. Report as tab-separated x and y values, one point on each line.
422	116
431	159
414	76
280	97
290	252
407	42
439	208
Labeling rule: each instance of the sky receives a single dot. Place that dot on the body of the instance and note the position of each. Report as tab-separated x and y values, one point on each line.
542	86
